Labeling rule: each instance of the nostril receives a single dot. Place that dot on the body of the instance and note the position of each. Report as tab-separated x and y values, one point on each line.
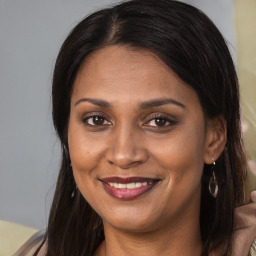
125	164
110	162
126	152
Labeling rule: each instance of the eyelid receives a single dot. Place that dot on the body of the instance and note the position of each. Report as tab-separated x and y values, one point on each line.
90	117
168	118
87	116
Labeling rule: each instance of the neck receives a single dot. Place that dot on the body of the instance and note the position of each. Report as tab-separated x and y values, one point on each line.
171	241
174	235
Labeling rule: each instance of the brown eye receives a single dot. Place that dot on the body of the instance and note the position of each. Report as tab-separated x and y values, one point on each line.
160	121
96	121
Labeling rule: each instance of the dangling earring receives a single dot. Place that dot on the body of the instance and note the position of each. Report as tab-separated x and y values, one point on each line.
66	151
73	194
213	184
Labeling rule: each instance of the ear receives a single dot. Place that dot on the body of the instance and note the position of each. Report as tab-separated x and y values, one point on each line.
216	138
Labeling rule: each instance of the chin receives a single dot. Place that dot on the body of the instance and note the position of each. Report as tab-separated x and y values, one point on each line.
129	220
132	225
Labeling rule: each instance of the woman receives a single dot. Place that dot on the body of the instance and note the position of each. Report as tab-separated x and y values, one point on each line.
146	106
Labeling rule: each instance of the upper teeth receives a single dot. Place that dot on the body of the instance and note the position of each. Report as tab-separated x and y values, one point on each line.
129	185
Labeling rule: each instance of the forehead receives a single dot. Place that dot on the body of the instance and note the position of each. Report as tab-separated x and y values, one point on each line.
121	72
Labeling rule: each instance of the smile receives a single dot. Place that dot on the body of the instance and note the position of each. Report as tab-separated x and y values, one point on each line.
128	188
129	185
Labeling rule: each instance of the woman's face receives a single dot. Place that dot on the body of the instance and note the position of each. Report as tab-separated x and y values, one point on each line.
137	140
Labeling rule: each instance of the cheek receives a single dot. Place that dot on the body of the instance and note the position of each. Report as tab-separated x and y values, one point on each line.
181	159
182	155
85	157
84	150
85	154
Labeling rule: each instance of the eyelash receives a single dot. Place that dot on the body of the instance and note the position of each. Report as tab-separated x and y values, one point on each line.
86	120
165	118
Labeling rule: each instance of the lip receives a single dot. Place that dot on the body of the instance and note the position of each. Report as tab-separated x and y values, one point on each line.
125	193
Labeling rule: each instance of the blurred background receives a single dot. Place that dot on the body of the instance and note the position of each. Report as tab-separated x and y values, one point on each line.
31	33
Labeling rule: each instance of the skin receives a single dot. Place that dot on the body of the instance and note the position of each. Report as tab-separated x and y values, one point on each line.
130	142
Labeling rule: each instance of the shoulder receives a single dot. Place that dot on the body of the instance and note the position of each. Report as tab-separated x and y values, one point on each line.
245	230
31	246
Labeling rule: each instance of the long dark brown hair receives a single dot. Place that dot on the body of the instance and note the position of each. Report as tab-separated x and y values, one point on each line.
190	44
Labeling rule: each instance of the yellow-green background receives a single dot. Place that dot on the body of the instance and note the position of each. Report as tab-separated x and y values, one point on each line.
245	21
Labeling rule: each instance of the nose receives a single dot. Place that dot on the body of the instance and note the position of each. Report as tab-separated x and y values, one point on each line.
127	149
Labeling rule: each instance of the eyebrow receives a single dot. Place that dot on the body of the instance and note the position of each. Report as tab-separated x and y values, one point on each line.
144	105
160	102
97	102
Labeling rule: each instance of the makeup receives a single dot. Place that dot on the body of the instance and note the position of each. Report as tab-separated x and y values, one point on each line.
128	188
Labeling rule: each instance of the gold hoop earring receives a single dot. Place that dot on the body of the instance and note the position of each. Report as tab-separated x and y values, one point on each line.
213	184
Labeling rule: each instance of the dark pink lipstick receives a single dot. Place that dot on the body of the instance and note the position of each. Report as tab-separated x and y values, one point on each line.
128	188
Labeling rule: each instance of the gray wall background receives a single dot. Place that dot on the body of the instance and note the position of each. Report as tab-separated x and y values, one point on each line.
31	33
